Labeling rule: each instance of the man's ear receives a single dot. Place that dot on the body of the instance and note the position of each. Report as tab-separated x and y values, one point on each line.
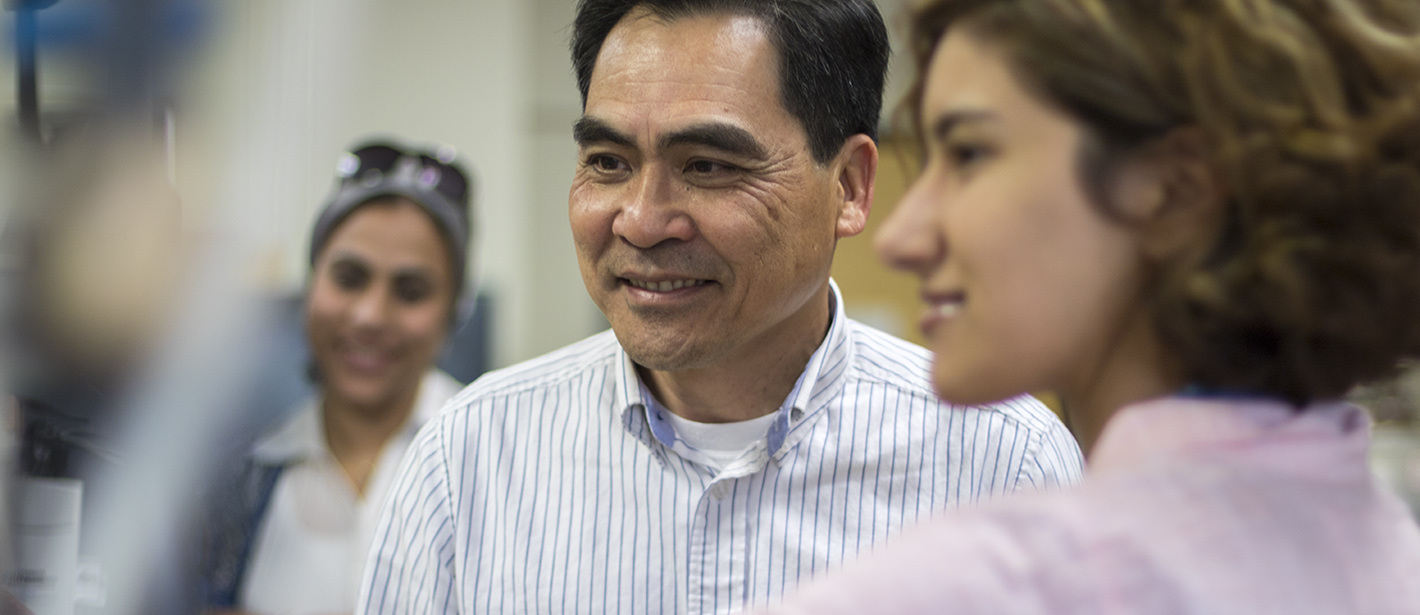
1172	194
856	169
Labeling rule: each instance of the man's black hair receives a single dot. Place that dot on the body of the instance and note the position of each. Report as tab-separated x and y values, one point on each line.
832	56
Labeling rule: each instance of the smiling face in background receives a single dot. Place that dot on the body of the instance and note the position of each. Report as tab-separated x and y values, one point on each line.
379	305
1029	286
704	228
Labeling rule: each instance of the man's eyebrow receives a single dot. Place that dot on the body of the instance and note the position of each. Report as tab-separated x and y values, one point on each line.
590	130
945	123
725	137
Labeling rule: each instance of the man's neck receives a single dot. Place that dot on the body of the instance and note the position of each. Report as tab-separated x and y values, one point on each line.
745	386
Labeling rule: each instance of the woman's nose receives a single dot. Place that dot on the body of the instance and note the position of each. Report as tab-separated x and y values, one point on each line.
912	239
372	306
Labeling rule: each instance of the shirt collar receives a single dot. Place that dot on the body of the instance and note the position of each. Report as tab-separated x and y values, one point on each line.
822	376
1321	438
302	437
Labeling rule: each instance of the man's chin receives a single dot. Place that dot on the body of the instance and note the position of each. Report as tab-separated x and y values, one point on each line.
670	353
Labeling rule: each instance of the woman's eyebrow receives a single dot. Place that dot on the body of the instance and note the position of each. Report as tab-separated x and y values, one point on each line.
947	122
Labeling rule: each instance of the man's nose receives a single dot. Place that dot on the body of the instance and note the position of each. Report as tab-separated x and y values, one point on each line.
655	210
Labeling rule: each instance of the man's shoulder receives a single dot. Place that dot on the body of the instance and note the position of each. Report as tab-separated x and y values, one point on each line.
891	360
874	345
888	360
571	362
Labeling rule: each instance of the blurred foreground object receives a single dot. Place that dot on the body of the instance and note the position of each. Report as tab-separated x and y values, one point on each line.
96	243
125	346
101	264
124	340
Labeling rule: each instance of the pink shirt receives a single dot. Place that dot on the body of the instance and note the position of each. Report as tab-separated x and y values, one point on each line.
1208	507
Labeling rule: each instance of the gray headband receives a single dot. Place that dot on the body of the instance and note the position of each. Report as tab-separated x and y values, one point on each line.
409	179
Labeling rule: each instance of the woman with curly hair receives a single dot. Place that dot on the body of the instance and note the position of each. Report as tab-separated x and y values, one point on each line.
1198	221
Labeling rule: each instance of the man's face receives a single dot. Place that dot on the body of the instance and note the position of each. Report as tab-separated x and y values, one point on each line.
704	228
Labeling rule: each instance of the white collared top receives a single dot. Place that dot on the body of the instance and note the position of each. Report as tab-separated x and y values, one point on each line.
309	552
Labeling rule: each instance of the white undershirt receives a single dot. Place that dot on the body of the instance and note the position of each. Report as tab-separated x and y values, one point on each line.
717	444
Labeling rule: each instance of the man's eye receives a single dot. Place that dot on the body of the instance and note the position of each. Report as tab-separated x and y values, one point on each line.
706	167
603	162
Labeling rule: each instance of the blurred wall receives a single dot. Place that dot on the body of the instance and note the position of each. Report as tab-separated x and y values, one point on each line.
286	85
293	81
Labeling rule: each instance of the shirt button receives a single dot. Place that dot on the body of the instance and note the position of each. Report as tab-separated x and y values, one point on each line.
719	491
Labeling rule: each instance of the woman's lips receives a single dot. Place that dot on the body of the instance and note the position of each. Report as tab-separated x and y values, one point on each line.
941	308
365	360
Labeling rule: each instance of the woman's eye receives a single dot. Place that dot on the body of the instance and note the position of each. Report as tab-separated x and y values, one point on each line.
964	156
412	289
349	276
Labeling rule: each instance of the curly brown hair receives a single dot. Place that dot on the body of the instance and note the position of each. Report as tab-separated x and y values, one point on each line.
1311	111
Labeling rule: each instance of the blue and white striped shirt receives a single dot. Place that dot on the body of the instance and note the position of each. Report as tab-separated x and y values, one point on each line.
549	487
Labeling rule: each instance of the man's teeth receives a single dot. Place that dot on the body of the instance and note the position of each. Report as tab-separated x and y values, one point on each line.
665	286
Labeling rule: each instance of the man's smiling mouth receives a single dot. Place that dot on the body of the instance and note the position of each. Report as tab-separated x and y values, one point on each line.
664	286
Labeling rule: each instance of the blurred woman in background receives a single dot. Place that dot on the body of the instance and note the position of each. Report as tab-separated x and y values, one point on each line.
387	270
1198	221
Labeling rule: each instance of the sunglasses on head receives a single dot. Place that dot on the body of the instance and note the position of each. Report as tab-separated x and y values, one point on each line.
436	170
